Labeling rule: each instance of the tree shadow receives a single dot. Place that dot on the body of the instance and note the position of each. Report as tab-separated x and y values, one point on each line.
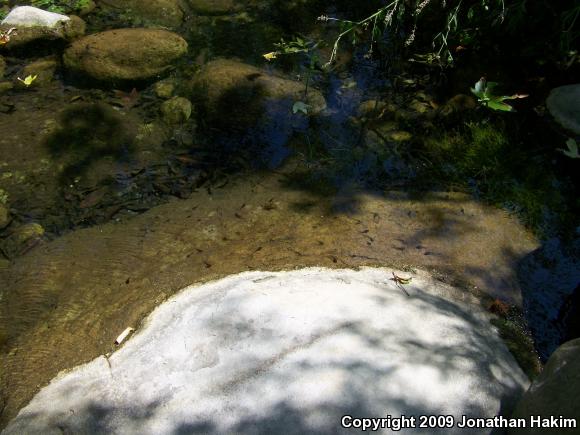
88	133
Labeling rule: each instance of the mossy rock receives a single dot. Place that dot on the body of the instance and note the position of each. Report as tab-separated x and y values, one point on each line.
164	88
22	239
43	69
176	110
125	54
36	24
5	87
233	93
564	105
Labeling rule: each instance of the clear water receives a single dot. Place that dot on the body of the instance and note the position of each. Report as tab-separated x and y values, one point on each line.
133	209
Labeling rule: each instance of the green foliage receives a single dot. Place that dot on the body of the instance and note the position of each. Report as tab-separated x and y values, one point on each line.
384	18
520	344
473	153
481	156
61	6
307	49
484	91
453	25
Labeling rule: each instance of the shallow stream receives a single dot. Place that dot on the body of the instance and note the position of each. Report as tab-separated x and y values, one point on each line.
115	203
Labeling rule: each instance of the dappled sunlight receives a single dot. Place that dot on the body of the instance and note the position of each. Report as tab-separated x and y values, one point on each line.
289	352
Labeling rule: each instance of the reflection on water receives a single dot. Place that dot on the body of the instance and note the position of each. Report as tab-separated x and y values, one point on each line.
114	195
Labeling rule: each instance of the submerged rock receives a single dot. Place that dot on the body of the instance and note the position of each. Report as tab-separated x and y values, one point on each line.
400	136
164	88
147	12
176	111
2	67
5	87
290	352
458	104
554	392
125	54
22	239
43	69
237	94
564	105
34	24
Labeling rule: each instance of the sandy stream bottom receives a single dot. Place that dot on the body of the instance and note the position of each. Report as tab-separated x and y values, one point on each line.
67	300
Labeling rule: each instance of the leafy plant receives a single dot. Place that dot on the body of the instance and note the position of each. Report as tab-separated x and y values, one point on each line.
484	91
377	22
298	46
61	6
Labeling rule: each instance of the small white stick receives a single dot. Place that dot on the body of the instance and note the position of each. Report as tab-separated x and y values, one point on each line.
123	335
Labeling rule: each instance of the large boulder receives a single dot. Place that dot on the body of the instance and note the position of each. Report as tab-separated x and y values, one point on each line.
147	12
554	392
43	69
125	54
564	105
33	24
239	94
291	353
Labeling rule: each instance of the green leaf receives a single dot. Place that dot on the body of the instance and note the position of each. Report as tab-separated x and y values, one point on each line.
498	105
490	87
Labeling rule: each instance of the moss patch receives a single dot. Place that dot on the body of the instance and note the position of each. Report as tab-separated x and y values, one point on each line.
520	344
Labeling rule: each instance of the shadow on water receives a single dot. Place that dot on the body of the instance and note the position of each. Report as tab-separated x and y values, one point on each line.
550	278
87	134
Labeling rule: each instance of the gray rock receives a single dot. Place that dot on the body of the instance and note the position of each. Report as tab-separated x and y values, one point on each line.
28	16
289	352
554	392
125	54
34	24
176	111
564	105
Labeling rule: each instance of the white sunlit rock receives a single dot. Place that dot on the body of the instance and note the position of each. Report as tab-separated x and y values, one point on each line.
289	352
28	16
